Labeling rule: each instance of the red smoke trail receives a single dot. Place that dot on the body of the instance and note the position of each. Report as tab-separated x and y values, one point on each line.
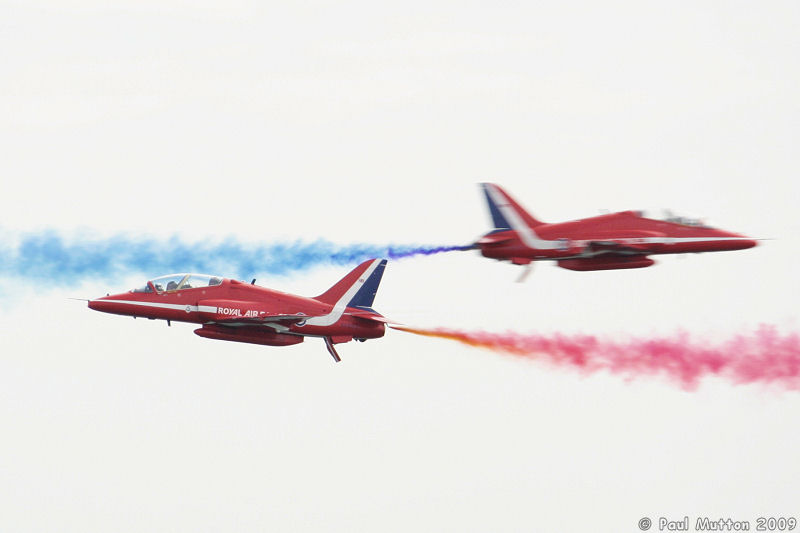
765	356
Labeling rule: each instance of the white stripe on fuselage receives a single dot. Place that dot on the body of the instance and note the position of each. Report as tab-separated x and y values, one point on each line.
657	240
176	307
341	305
674	240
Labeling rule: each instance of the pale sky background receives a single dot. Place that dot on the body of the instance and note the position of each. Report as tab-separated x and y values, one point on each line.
359	122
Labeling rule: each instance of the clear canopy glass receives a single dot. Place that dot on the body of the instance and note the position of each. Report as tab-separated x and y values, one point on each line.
669	216
174	282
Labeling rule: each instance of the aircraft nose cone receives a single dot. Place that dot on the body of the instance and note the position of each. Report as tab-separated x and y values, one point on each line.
742	242
99	304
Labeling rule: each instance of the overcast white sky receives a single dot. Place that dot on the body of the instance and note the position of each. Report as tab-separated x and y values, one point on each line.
358	122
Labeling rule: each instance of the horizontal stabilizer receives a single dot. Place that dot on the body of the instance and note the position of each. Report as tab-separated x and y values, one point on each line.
494	238
368	315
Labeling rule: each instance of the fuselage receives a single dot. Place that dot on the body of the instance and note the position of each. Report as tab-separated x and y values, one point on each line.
624	233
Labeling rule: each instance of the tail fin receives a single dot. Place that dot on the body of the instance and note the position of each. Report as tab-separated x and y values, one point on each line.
505	211
358	288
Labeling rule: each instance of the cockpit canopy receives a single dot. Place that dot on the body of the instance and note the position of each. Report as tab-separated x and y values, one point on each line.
668	216
686	221
174	282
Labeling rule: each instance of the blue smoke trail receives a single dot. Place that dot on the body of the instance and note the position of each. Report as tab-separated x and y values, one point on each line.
49	256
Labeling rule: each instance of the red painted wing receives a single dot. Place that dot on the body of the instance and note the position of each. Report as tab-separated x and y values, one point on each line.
264	319
619	247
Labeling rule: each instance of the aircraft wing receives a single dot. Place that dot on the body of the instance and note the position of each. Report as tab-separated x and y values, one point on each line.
620	247
625	242
264	319
495	238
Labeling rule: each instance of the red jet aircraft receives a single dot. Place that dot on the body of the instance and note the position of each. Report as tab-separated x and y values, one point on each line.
605	242
233	310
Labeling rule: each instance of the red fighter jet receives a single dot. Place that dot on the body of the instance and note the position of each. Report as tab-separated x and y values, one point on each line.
232	310
612	241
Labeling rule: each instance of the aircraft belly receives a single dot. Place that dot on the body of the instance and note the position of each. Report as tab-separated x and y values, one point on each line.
247	334
606	262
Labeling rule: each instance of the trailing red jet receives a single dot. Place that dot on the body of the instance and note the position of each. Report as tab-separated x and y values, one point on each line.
232	310
605	242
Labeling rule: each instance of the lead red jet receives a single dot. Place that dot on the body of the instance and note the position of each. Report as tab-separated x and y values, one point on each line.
232	310
605	242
